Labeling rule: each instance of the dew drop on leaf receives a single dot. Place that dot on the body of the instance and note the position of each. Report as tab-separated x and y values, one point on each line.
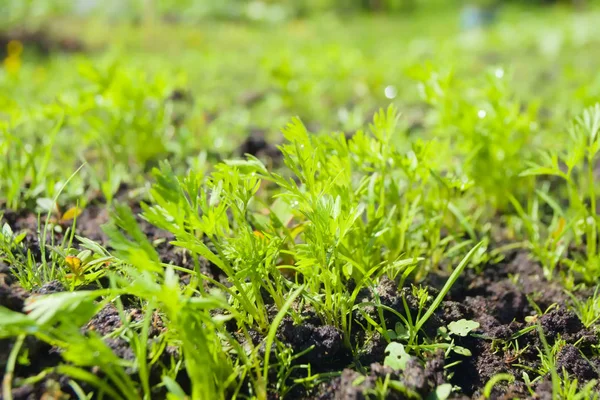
390	92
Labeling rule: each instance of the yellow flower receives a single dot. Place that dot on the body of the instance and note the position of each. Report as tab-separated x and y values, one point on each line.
74	263
15	48
12	63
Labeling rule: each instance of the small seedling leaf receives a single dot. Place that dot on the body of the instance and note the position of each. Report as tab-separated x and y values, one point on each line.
75	307
442	392
463	351
397	357
19	238
462	327
91	245
7	231
401	331
84	255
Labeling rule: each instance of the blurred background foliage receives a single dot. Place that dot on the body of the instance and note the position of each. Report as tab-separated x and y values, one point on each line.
133	82
31	12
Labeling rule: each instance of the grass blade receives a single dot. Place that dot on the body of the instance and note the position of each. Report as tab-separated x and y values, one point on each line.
451	280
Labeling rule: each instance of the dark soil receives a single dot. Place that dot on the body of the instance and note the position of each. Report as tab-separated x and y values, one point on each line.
42	41
418	378
328	352
502	298
499	299
40	354
256	145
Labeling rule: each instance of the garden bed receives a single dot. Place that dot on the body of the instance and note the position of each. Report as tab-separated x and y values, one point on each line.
171	230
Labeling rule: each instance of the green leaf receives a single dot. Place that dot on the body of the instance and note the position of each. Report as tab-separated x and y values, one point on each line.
7	231
397	356
462	327
401	387
441	392
453	277
128	239
534	171
91	245
274	326
81	374
463	351
489	386
14	323
463	220
74	308
200	248
401	331
88	350
175	391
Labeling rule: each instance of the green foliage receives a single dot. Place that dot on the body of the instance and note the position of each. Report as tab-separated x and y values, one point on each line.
462	327
575	166
587	310
49	319
26	161
342	210
495	132
434	185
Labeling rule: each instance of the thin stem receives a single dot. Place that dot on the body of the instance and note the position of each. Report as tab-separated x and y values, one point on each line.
453	277
592	232
271	337
10	368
